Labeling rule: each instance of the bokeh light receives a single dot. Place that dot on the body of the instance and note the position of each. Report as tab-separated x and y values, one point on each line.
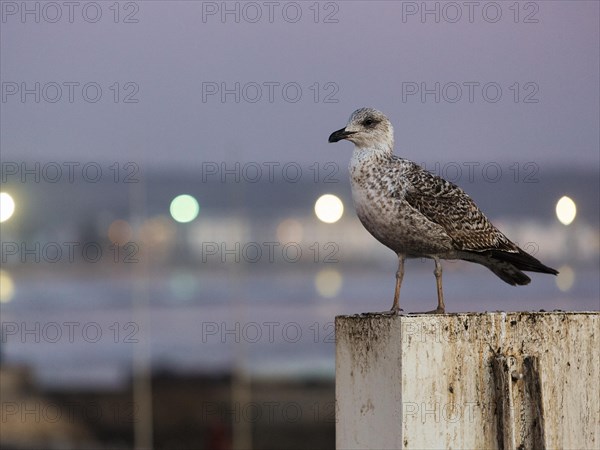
183	285
328	282
157	235
184	208
290	230
566	210
565	278
329	208
7	206
7	287
158	230
119	232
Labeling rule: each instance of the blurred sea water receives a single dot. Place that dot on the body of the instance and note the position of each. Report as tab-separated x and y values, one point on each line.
79	331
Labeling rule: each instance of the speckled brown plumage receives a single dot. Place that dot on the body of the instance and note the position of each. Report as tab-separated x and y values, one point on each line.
418	214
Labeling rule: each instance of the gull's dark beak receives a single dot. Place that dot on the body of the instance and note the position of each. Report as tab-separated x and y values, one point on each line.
340	134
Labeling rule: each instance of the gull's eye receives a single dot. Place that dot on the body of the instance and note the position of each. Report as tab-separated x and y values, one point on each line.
369	122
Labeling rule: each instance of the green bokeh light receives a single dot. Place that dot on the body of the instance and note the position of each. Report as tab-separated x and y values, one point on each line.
184	208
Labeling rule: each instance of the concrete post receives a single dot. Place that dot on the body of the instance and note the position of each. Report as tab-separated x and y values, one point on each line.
481	380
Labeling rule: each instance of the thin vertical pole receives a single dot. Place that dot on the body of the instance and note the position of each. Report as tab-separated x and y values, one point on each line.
142	370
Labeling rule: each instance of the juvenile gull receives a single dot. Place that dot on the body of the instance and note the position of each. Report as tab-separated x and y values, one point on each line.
420	215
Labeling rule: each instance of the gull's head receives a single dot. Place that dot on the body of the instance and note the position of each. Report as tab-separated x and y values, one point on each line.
367	128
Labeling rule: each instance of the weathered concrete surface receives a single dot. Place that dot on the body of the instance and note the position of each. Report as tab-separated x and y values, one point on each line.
426	381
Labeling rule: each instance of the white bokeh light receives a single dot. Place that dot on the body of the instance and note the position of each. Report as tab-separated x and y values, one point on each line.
566	210
565	278
7	206
290	230
328	283
7	287
329	208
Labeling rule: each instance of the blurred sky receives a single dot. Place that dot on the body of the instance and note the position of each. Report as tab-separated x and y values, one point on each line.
368	54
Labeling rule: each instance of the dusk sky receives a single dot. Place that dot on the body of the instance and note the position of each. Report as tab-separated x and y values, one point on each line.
544	56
